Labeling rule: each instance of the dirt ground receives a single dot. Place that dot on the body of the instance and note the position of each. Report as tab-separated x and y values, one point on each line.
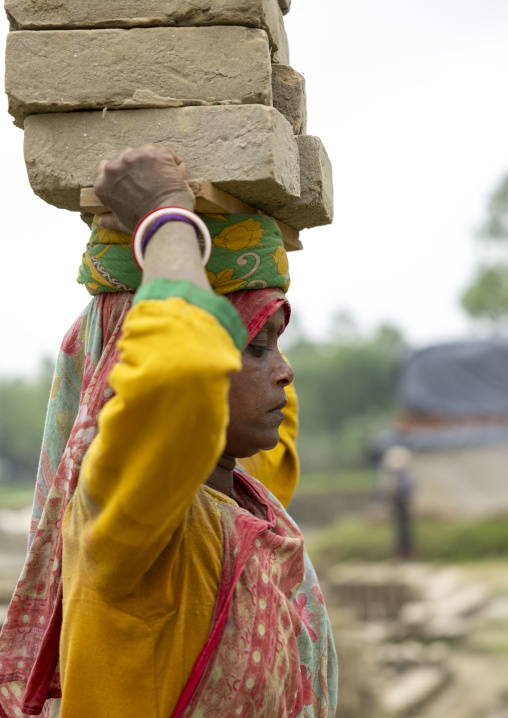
474	674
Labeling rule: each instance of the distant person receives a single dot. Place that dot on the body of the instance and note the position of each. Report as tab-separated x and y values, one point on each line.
397	486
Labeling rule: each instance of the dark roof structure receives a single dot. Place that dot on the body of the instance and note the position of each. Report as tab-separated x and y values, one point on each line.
466	378
464	386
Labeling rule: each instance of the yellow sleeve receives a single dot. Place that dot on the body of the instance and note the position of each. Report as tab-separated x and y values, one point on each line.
279	468
160	435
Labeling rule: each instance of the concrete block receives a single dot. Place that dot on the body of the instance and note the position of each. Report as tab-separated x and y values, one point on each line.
289	96
249	150
56	70
315	205
67	14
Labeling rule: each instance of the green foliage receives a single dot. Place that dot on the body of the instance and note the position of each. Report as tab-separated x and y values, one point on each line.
23	405
337	382
345	480
363	539
346	391
346	446
353	539
495	227
487	297
463	541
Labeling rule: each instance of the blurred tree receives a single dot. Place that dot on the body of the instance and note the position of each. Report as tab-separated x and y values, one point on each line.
343	327
346	390
23	405
495	226
487	296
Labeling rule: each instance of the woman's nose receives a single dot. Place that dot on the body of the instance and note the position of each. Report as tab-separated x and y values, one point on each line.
285	373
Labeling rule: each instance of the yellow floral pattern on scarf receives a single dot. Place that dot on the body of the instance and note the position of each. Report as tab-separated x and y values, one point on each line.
241	235
281	261
223	282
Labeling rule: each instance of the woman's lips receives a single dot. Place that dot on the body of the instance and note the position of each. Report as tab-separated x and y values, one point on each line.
278	413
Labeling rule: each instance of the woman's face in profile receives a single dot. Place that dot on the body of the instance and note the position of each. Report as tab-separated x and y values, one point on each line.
256	395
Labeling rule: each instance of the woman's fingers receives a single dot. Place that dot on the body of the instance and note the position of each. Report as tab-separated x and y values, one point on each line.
139	180
183	168
99	170
108	220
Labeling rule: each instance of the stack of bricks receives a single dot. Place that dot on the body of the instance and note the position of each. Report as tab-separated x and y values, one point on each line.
210	78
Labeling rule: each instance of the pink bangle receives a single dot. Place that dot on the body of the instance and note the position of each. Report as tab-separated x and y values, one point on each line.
186	215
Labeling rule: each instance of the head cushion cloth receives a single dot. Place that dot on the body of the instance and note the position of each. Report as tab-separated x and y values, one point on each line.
247	253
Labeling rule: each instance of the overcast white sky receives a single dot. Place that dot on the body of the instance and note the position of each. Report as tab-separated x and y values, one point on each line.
410	100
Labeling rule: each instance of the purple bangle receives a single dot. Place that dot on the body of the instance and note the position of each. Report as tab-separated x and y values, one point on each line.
157	224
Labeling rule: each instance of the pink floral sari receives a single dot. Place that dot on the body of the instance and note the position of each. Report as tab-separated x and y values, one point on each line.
270	651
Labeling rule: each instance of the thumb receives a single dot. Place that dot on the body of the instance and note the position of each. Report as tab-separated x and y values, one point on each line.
108	220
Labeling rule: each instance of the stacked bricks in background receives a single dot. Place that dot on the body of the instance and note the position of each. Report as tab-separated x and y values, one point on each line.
209	77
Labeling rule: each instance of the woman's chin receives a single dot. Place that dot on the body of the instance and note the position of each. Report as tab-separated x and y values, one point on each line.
264	443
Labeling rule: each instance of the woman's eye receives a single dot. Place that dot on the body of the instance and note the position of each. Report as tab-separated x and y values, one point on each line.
258	349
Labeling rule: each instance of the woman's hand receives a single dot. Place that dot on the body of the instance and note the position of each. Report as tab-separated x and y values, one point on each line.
138	181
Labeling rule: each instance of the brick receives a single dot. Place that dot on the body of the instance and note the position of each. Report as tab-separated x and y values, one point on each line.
249	150
56	70
67	14
289	96
315	205
274	26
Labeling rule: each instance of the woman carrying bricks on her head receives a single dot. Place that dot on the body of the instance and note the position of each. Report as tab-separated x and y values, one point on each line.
186	588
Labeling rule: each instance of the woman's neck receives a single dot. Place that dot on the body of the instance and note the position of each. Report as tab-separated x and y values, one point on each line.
221	478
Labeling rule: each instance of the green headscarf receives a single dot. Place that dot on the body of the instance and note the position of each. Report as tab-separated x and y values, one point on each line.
247	253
